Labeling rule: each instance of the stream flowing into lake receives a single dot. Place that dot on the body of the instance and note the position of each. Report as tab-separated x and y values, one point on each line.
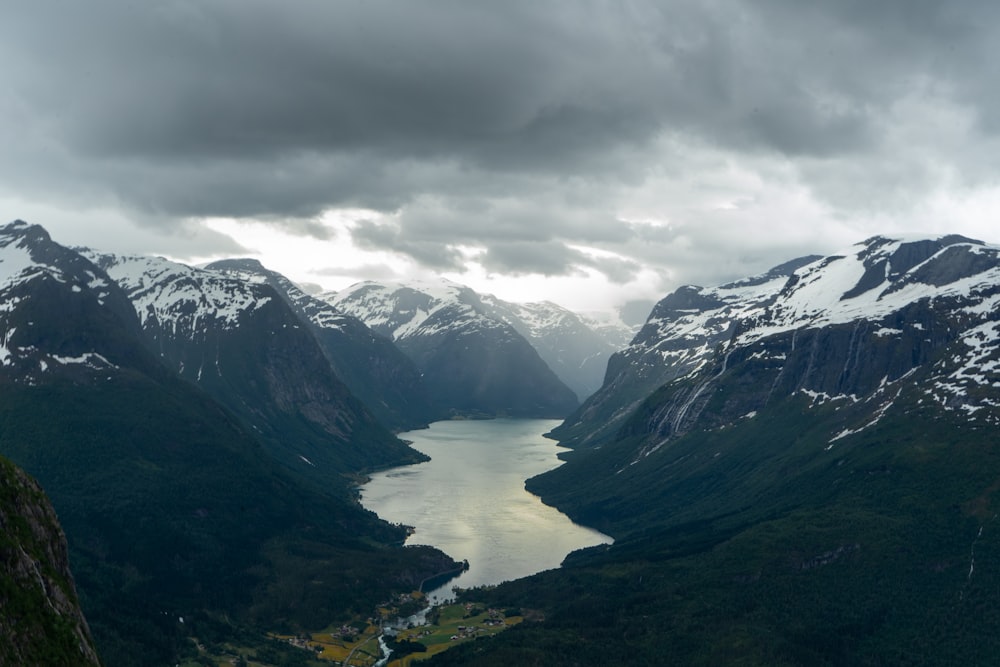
469	500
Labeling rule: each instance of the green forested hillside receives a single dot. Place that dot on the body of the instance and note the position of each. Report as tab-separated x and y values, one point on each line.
756	545
172	511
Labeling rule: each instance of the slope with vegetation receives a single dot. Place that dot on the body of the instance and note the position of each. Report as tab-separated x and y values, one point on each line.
820	486
181	526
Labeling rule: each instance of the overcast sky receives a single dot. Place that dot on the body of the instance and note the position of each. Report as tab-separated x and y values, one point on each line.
585	152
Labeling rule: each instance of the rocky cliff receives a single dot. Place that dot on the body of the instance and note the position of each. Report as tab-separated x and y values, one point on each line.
40	618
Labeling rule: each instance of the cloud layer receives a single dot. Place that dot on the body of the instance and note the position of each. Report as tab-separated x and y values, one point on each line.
547	138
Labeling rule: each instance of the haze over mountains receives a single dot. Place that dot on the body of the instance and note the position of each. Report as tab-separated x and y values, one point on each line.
799	467
471	356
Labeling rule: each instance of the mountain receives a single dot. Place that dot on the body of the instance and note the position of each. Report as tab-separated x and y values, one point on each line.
814	480
472	363
614	327
179	522
682	332
242	343
40	618
375	371
565	341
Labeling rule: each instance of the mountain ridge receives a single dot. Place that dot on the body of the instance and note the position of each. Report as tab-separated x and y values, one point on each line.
381	376
243	344
473	365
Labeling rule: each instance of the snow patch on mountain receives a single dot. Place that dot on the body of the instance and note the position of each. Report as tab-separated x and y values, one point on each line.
928	294
414	308
318	311
18	263
180	296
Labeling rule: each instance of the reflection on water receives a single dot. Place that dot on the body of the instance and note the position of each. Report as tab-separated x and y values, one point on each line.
469	499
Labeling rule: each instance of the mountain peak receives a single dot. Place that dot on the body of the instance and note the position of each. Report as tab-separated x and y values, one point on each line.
472	362
875	286
244	263
19	229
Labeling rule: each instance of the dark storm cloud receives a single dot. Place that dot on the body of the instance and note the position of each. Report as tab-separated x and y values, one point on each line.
434	254
520	258
480	123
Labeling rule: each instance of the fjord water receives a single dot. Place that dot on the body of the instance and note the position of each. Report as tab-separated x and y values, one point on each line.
469	499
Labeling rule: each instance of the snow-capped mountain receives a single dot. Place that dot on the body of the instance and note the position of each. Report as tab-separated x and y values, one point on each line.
374	369
472	363
612	327
241	343
42	287
842	328
564	340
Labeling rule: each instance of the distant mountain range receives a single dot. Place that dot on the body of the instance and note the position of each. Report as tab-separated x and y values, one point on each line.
474	362
798	468
246	347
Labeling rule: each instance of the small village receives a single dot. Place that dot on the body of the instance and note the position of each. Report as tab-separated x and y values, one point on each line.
447	626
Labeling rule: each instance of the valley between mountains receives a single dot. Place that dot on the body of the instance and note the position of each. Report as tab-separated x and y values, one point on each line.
797	468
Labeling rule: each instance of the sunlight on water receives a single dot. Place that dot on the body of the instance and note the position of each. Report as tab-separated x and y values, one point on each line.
470	502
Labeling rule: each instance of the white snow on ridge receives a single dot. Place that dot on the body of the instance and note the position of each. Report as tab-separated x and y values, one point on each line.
177	294
17	264
409	309
814	298
318	310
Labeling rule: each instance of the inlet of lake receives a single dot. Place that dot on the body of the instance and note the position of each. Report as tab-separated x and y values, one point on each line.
469	500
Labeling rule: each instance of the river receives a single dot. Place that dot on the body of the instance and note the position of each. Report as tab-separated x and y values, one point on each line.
469	500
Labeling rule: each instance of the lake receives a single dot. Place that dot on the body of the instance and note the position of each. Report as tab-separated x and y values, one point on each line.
469	499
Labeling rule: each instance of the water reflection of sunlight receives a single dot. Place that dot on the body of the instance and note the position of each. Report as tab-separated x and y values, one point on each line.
470	501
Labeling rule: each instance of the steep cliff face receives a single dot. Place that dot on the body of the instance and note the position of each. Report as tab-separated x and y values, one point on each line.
374	369
242	344
840	347
40	618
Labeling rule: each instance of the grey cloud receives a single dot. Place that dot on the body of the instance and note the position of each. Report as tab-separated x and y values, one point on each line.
363	272
549	87
535	215
618	270
516	236
504	126
378	236
547	259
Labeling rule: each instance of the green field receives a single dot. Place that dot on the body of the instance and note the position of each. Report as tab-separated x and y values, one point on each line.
452	625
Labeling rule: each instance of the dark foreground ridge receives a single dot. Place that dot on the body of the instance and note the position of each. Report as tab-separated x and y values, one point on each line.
40	618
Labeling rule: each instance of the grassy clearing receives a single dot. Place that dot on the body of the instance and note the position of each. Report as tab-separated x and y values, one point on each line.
337	645
452	625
